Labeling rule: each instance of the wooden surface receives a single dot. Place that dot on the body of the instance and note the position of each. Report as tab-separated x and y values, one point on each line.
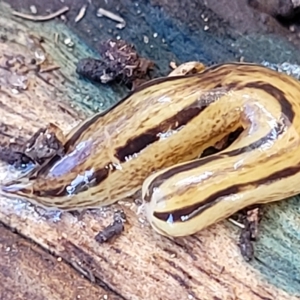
29	272
139	264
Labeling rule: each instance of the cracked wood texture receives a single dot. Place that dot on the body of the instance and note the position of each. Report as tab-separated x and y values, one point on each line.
29	272
139	264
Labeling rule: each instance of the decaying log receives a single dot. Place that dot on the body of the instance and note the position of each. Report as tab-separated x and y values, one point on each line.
138	264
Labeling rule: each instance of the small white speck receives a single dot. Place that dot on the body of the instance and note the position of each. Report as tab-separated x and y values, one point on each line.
33	9
141	220
15	91
120	25
146	39
69	42
292	28
103	214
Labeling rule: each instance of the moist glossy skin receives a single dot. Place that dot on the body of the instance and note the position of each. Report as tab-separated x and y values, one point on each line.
153	138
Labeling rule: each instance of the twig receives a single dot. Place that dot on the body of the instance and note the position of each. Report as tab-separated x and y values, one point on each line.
236	223
36	18
108	14
56	37
81	13
49	69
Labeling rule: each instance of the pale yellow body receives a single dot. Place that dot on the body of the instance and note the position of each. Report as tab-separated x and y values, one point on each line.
154	137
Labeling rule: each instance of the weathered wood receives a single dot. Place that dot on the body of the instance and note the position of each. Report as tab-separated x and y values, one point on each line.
139	264
29	272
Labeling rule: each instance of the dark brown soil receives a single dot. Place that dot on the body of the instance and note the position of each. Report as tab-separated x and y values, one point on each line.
209	31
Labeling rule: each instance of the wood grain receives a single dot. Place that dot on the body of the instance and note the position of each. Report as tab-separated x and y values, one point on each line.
22	263
139	264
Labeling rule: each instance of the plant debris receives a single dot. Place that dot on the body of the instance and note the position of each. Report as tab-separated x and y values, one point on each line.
250	218
108	14
81	13
14	155
121	63
37	18
112	230
43	145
